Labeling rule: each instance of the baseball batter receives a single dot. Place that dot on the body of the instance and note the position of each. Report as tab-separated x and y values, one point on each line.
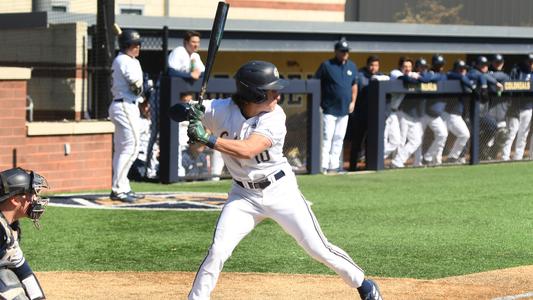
124	112
249	129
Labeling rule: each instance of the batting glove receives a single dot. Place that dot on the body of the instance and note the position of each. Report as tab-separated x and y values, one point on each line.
137	87
196	132
196	112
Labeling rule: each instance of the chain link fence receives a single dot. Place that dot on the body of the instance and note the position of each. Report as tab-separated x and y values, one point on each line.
503	130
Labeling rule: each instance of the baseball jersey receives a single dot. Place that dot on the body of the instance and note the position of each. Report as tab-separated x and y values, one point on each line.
10	253
126	71
336	81
224	119
180	60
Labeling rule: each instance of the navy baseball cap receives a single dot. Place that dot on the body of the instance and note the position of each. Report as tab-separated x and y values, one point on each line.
342	45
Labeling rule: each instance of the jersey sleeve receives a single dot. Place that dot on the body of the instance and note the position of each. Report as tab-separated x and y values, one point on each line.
272	126
130	71
176	60
209	114
199	64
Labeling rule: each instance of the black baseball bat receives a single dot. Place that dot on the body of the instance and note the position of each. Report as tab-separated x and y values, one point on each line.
214	43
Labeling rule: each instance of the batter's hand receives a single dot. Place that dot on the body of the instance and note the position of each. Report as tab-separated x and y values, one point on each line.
197	133
196	112
137	88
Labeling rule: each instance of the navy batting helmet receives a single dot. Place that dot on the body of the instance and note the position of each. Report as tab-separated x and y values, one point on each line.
254	78
459	64
128	38
498	58
437	60
482	61
421	62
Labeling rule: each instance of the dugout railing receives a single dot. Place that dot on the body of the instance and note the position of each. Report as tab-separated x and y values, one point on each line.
300	100
484	124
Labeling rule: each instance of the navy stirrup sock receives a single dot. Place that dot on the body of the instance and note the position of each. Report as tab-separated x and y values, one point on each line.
365	288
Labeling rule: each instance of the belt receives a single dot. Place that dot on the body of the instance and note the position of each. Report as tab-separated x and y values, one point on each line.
122	100
261	184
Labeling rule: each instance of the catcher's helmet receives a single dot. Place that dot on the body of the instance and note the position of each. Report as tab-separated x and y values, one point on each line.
437	60
254	78
421	62
128	38
482	61
459	64
18	181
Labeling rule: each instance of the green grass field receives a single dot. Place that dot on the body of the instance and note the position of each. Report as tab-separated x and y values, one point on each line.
420	223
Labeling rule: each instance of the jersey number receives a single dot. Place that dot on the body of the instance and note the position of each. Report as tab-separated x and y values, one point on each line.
262	157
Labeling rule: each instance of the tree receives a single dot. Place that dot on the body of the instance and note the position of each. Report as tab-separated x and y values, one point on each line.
430	12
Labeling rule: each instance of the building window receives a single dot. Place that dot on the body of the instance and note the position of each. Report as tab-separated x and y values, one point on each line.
131	11
59	8
137	10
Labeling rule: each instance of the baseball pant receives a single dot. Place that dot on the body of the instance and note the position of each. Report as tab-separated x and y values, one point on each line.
126	140
411	133
457	126
334	130
283	203
518	129
440	134
392	134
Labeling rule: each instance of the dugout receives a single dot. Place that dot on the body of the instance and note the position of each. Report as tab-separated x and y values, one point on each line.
66	87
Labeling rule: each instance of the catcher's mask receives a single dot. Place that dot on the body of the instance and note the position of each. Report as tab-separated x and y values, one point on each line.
18	181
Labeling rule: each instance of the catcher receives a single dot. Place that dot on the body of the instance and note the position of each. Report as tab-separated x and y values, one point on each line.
19	198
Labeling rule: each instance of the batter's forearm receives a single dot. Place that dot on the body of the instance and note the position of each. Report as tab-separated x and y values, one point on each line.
244	149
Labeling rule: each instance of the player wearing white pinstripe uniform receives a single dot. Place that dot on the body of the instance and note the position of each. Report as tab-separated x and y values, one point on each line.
249	129
125	114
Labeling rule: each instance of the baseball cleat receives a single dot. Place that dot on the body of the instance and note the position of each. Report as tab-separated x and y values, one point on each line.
124	197
374	293
135	195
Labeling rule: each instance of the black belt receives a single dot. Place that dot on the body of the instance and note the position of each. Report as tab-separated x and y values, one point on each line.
261	184
122	100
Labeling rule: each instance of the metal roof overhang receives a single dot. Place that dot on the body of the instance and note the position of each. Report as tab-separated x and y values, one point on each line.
292	36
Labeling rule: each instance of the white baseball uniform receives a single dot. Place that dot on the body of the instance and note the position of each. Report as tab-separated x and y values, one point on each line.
457	126
125	115
440	134
264	187
518	132
180	60
183	140
392	133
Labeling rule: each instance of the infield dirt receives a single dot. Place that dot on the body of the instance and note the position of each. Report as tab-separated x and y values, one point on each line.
175	285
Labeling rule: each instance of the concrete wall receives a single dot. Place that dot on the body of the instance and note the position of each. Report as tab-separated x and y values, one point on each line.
56	55
41	146
18	6
304	10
